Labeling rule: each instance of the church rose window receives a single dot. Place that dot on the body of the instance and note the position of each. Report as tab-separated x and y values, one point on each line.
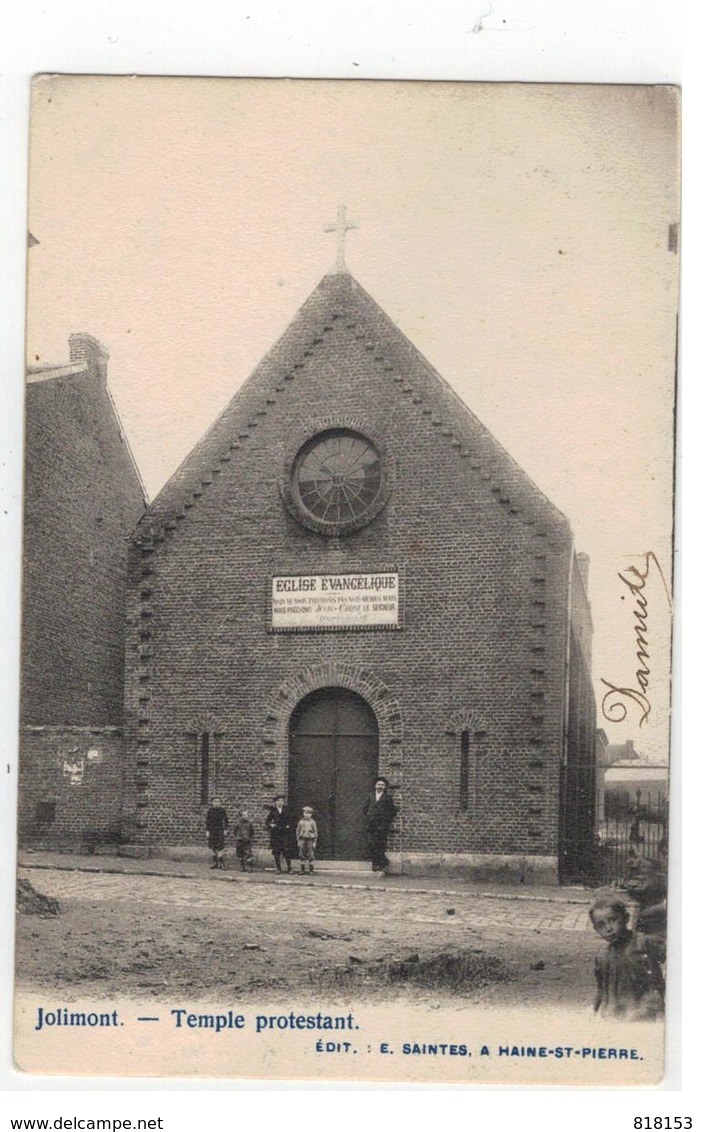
339	479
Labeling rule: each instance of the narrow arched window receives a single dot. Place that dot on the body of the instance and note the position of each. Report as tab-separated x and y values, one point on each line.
464	772
205	767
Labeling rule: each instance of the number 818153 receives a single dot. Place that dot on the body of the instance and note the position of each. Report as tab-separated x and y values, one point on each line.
648	1122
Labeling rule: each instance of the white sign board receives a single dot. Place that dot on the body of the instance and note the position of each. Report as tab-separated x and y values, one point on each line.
335	601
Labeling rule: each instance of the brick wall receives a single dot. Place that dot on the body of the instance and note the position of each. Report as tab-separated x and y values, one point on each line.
579	790
580	614
485	564
70	786
82	496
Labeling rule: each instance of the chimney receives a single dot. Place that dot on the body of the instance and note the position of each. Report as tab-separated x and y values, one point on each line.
85	348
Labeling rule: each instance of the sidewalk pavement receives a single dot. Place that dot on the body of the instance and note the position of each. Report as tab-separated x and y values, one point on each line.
327	877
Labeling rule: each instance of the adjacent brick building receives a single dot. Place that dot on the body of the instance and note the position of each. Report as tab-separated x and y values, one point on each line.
82	497
349	577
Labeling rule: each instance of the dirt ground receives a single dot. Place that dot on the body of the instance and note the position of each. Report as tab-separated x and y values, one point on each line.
154	936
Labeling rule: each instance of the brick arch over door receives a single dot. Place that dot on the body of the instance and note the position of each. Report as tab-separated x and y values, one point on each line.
356	678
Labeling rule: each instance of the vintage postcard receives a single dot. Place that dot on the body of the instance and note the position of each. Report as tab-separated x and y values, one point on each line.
347	583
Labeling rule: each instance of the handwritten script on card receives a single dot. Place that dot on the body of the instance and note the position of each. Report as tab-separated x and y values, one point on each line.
618	701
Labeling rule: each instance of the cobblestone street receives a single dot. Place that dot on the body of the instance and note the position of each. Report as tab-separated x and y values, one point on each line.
340	901
126	931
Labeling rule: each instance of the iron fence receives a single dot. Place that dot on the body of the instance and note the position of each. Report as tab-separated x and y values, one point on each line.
630	824
604	830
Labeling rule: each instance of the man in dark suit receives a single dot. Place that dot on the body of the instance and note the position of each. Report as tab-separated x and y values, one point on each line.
379	811
279	825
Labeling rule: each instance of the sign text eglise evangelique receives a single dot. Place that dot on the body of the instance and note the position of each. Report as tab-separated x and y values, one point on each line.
335	601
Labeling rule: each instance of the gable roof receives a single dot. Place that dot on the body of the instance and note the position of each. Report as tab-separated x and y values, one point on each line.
339	296
622	753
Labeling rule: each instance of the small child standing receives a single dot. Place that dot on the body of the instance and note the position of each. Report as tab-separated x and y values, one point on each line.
216	826
306	835
630	984
244	835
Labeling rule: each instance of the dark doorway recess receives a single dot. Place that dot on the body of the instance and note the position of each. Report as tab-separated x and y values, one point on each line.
333	764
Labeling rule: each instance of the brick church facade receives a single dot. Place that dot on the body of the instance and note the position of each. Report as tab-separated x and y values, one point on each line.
348	577
346	461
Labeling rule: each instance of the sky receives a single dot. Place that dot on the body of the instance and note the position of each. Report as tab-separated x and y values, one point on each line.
517	235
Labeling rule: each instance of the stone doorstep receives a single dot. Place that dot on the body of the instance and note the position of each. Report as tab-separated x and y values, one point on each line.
332	867
508	869
263	859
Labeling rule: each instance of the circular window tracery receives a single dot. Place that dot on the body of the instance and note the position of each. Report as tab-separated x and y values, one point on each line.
338	479
337	476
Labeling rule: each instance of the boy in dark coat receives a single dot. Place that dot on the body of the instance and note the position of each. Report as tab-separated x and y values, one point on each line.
379	811
279	825
216	825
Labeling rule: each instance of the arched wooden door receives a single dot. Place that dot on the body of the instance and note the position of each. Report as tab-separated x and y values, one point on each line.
333	764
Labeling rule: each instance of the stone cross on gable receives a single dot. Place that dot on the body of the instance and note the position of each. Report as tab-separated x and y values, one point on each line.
341	227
